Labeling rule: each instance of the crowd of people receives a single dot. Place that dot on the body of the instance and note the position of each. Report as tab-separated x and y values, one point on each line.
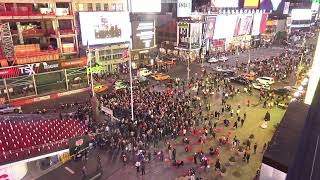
183	109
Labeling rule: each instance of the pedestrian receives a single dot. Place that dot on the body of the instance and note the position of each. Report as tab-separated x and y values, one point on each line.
244	116
235	125
195	156
143	171
248	157
217	165
174	154
255	148
238	112
248	103
60	116
84	172
99	166
242	121
264	147
137	165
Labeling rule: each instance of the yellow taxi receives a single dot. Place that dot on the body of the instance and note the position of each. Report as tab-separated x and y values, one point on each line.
160	76
100	88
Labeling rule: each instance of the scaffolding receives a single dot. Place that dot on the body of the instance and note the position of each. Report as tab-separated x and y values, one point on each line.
7	43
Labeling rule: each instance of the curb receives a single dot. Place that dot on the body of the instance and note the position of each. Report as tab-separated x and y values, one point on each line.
47	97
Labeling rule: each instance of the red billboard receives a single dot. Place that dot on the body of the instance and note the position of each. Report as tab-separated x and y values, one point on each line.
263	23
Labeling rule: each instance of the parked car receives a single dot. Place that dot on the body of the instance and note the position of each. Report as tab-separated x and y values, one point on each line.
223	59
160	76
144	72
217	69
249	76
265	80
228	73
281	91
120	85
240	80
141	81
213	60
260	86
6	109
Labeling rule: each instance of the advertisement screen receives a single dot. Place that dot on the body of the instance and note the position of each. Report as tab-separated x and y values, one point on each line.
263	23
143	34
244	24
147	6
183	30
272	5
195	33
301	14
184	8
211	22
224	3
256	24
251	3
223	29
104	27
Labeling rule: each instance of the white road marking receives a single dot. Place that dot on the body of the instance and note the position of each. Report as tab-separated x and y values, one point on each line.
314	157
70	170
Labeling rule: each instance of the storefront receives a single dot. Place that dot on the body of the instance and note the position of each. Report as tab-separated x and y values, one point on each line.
42	78
243	42
112	57
256	41
217	45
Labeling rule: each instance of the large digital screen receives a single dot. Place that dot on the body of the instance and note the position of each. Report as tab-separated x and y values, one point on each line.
104	27
224	3
272	5
184	8
141	6
263	23
301	14
244	25
256	24
223	29
210	25
251	3
183	32
195	33
143	34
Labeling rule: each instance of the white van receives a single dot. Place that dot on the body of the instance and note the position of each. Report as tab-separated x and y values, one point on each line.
143	72
265	80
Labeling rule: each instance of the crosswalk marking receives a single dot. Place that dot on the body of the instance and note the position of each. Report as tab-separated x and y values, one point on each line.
70	170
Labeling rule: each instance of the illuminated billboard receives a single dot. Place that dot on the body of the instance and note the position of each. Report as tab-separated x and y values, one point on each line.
244	24
143	34
251	3
224	3
314	76
301	18
223	29
183	34
145	6
272	5
256	24
210	25
184	8
104	27
195	33
301	14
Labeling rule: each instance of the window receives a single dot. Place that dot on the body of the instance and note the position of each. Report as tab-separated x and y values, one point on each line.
98	7
90	7
80	7
106	7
